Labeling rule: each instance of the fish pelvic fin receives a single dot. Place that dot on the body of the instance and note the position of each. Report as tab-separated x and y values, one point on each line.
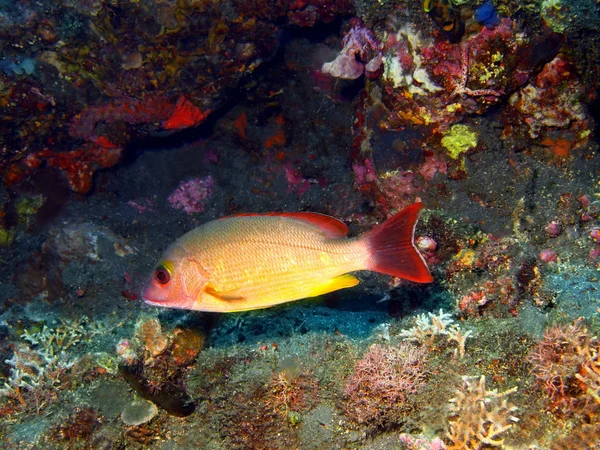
392	249
231	296
334	284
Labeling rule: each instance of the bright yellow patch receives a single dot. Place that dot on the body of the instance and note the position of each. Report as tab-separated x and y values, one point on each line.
467	258
341	282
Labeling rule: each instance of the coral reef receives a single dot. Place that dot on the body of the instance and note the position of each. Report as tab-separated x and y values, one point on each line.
427	327
565	365
127	124
479	416
192	195
383	381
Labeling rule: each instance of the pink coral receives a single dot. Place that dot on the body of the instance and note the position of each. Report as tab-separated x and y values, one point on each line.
383	380
548	255
563	365
361	53
192	195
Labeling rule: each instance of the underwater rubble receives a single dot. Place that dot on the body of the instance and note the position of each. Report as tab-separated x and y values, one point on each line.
126	124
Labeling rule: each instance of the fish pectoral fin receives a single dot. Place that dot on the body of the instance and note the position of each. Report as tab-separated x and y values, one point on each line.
334	284
229	296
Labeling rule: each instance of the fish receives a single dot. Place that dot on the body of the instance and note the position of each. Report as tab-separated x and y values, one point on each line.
446	15
252	261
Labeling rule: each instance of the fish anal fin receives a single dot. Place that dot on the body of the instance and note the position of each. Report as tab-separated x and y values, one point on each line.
230	296
334	284
330	226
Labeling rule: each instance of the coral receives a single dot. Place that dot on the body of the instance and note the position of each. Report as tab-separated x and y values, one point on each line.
585	436
292	393
570	16
493	276
154	340
383	380
6	237
411	442
427	327
192	195
81	424
306	13
53	342
28	373
40	366
566	366
241	125
185	115
139	412
78	166
486	15
126	351
28	206
459	139
405	65
553	102
361	54
478	416
548	255
187	343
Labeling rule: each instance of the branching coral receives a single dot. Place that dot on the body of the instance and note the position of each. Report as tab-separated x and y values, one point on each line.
566	364
427	327
292	394
478	416
383	380
39	366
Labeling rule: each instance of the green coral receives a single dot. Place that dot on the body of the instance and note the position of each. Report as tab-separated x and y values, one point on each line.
6	237
459	139
27	206
555	15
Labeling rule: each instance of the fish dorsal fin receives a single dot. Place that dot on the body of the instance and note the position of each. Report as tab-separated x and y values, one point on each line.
332	227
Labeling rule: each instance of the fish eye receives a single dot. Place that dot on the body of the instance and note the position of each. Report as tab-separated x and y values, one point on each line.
162	275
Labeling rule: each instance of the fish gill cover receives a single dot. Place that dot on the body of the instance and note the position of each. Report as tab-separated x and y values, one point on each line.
127	124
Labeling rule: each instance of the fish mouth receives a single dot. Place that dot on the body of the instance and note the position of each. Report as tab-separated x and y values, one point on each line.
147	301
150	297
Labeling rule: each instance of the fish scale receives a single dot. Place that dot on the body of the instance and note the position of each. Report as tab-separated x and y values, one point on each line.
291	249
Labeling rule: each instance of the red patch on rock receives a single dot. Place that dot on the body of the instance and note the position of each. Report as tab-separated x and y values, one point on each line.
185	115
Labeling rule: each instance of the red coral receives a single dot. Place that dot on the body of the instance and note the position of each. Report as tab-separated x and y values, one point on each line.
81	424
241	124
185	115
78	166
128	110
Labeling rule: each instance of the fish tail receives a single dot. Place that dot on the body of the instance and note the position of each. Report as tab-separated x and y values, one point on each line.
392	250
